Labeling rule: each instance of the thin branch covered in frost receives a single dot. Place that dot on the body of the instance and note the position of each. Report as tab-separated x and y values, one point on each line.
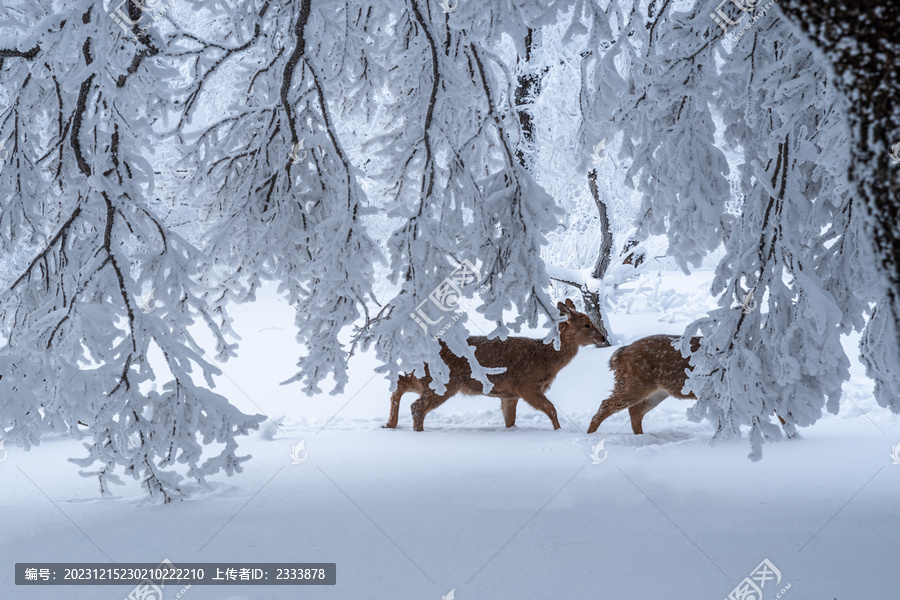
77	320
281	190
783	119
447	160
865	71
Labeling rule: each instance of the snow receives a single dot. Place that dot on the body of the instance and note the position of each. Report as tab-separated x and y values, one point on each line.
494	513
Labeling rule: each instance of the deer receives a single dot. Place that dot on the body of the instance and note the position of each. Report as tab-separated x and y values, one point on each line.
646	372
531	366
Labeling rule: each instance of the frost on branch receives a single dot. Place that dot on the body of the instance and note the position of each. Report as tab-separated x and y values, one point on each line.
86	251
793	236
280	190
455	184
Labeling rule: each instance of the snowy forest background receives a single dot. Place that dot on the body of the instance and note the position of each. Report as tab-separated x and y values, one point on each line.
179	180
558	145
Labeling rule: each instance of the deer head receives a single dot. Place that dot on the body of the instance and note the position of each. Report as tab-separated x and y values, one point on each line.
578	327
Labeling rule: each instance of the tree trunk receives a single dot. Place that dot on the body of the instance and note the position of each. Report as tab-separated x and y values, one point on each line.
527	88
604	258
593	304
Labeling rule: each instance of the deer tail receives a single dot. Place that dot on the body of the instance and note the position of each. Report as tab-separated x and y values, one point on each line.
615	358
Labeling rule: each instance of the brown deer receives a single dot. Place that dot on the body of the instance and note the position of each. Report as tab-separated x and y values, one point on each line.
646	372
531	366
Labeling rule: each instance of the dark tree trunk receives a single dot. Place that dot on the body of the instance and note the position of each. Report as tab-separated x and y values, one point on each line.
592	301
604	258
527	88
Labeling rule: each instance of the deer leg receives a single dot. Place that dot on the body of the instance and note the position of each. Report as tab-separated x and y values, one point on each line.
621	398
637	411
637	416
539	401
395	408
426	403
406	383
780	419
604	412
783	423
508	405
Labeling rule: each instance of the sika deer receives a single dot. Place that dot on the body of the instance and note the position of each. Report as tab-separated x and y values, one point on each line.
646	373
531	366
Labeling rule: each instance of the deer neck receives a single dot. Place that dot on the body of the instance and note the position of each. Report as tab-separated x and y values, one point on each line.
567	349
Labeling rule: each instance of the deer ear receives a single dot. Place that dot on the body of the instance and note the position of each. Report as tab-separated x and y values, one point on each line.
569	303
563	309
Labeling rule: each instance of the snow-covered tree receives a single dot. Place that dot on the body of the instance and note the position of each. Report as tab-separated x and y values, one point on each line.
858	43
99	281
452	174
254	104
796	243
787	356
193	151
279	189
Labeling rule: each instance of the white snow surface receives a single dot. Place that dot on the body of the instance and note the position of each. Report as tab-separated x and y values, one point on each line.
488	512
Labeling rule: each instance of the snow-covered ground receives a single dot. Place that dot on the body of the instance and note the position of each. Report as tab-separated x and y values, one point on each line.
488	512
